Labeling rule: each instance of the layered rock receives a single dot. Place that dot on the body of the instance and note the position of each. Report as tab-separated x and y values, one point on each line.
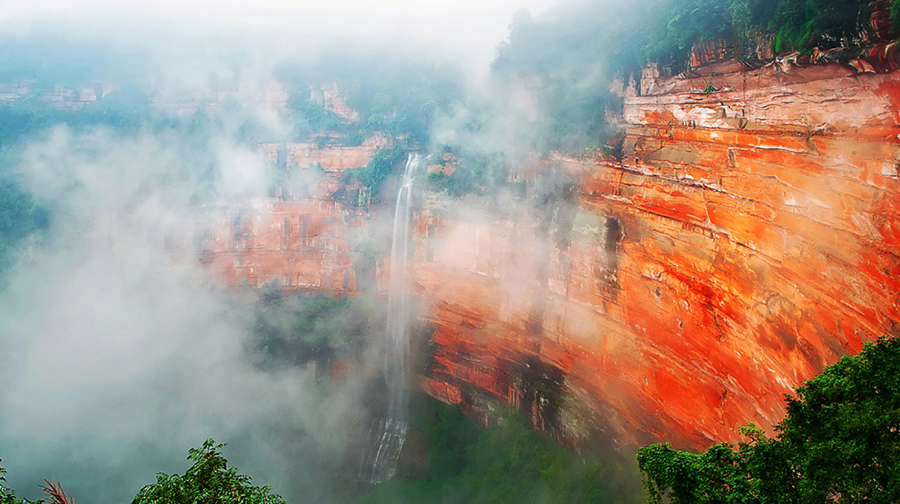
300	238
748	238
296	244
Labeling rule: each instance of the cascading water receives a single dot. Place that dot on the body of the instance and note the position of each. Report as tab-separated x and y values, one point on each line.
386	437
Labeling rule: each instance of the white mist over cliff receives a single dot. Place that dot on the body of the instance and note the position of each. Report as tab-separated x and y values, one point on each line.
468	30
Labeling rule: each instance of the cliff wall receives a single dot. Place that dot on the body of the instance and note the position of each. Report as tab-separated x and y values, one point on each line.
299	244
748	238
302	237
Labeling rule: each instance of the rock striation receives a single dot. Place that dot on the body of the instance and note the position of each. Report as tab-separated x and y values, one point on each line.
748	237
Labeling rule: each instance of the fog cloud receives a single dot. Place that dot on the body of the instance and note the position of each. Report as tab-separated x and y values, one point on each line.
467	29
117	356
116	353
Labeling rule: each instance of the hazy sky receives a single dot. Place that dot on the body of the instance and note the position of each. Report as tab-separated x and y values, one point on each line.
469	27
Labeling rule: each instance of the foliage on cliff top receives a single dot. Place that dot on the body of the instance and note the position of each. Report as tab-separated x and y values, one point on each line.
840	442
381	165
475	173
624	36
568	55
394	92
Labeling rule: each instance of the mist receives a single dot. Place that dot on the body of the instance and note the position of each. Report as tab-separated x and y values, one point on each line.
202	204
119	349
116	355
119	352
466	31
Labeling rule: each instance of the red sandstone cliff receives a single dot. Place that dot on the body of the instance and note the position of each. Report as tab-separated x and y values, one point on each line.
301	237
299	244
748	238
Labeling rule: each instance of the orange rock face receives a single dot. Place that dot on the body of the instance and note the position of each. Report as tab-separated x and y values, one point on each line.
309	155
747	239
301	244
301	237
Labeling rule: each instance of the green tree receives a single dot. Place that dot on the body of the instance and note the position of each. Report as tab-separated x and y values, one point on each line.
379	168
7	495
840	442
208	481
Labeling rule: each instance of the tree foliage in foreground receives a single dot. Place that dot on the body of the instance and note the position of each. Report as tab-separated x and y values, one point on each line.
209	480
7	495
840	442
54	491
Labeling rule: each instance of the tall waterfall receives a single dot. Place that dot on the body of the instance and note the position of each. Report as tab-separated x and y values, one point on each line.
387	434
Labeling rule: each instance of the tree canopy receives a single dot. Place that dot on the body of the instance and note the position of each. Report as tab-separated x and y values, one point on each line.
840	442
504	463
569	54
209	480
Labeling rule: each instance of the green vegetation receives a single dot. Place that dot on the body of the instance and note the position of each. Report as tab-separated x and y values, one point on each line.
31	119
393	93
7	495
475	173
507	462
209	480
381	165
401	96
312	120
895	16
297	329
840	442
568	55
20	217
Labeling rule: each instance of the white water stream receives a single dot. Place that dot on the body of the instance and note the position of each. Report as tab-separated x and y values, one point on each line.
386	436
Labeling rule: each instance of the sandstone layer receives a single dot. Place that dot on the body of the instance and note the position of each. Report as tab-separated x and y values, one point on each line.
748	237
300	239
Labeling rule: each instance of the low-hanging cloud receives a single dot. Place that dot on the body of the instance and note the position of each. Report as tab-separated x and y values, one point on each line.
117	356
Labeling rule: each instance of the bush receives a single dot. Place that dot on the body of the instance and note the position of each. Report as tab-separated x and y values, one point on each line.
840	442
7	496
380	167
209	480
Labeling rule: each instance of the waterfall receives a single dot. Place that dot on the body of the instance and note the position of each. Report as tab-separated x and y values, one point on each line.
386	436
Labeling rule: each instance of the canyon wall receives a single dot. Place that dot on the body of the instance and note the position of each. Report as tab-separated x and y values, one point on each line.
296	244
301	238
747	238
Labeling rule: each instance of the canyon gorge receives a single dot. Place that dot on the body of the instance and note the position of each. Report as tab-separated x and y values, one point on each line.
621	253
745	238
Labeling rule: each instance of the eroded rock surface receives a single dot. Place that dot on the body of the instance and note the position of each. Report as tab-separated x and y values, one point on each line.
748	238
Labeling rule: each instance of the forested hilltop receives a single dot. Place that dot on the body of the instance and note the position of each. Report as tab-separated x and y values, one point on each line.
573	52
